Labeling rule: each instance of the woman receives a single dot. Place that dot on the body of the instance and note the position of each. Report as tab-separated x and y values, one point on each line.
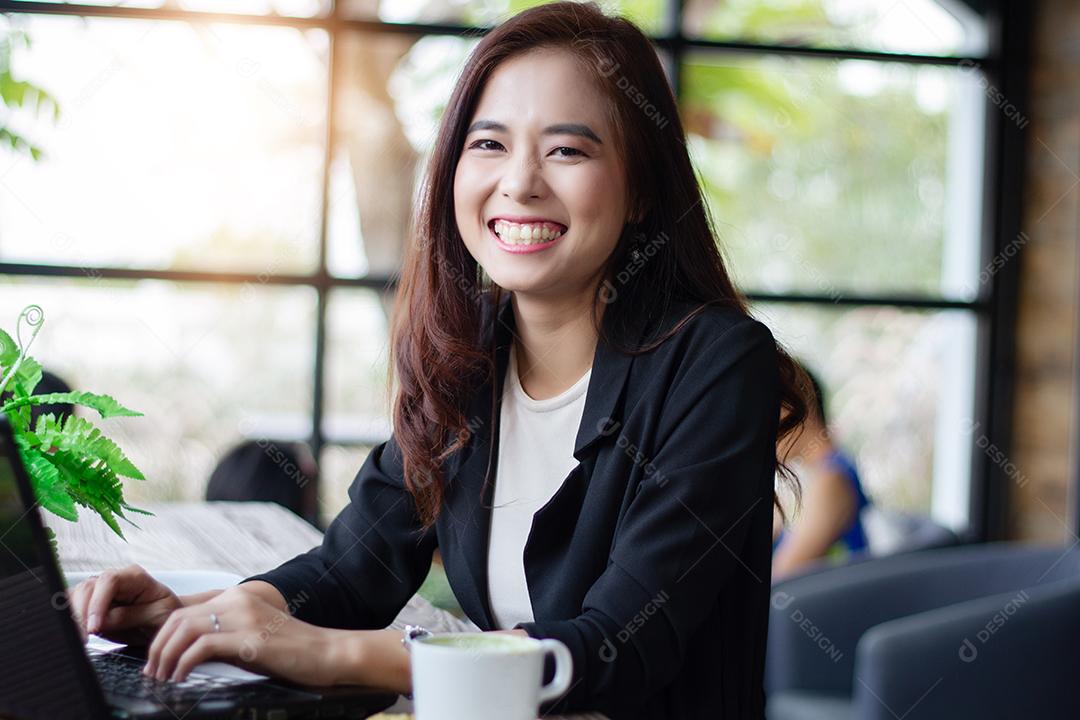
595	396
829	521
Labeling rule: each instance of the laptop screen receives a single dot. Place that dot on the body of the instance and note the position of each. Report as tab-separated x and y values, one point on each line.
44	671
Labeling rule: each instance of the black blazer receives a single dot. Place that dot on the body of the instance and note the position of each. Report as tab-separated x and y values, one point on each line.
651	562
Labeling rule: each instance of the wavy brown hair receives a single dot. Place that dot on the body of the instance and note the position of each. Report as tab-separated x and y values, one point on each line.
436	347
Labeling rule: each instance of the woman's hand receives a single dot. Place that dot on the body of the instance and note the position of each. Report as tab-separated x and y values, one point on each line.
124	605
252	634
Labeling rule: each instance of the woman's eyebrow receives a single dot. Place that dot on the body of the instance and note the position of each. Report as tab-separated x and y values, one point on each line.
561	129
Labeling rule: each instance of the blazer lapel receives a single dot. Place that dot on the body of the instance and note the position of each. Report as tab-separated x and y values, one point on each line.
470	490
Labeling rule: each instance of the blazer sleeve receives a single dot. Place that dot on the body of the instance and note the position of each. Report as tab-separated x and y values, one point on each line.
373	557
682	536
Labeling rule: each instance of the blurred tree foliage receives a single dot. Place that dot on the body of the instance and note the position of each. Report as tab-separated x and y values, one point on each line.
19	94
814	187
822	175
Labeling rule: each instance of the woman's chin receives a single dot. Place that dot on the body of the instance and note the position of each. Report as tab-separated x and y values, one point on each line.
520	282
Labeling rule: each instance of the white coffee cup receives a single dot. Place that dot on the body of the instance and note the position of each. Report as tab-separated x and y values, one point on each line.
484	676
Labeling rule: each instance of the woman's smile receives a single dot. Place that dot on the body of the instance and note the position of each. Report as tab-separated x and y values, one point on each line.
525	237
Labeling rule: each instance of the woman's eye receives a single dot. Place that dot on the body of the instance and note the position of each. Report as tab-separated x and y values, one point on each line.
488	144
479	143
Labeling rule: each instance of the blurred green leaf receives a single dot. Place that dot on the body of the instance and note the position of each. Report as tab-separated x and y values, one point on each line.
16	93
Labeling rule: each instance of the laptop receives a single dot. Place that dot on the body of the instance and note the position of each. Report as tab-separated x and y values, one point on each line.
48	672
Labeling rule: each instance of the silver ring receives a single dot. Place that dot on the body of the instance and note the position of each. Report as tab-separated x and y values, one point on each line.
412	632
214	622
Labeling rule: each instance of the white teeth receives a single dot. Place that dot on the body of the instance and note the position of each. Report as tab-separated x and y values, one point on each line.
525	234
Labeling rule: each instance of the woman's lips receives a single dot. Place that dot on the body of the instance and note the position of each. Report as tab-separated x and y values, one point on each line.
522	249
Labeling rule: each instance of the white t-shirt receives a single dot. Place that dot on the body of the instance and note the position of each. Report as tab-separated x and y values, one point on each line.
536	453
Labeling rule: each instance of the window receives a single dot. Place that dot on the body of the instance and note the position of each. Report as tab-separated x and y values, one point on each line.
221	206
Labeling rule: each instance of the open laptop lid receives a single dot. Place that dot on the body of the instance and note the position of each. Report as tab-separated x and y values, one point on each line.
44	669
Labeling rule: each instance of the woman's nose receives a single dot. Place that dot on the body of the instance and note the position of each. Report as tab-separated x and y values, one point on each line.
522	179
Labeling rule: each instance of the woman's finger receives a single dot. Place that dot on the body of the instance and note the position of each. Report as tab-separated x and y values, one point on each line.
125	585
124	617
180	635
186	632
100	599
161	639
206	647
80	598
69	594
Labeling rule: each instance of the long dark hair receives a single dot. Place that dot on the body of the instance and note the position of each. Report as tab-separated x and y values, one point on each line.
436	349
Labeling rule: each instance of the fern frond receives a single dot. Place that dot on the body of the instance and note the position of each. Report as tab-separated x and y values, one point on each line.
48	487
81	437
105	405
52	544
93	485
9	350
26	377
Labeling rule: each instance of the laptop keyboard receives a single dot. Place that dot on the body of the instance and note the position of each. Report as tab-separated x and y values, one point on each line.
122	676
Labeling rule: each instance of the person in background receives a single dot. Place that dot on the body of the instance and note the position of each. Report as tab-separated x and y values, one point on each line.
828	522
269	471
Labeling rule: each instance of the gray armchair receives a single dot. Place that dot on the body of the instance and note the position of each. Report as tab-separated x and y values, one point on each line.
891	533
981	631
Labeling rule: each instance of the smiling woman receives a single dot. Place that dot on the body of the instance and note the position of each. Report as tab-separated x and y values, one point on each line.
539	136
586	417
564	284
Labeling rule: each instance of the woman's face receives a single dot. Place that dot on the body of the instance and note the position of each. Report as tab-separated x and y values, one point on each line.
540	159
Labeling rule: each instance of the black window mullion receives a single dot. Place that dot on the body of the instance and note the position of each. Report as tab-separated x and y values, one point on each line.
323	283
674	45
1007	72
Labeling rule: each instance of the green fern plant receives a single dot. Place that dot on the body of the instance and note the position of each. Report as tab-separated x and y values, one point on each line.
69	460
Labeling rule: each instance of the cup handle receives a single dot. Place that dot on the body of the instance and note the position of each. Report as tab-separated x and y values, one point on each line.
564	669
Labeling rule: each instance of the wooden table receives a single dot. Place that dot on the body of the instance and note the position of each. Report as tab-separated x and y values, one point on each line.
239	537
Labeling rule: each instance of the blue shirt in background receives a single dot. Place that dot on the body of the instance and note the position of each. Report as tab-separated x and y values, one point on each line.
853	539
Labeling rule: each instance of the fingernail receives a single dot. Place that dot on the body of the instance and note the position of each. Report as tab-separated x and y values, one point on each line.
92	623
